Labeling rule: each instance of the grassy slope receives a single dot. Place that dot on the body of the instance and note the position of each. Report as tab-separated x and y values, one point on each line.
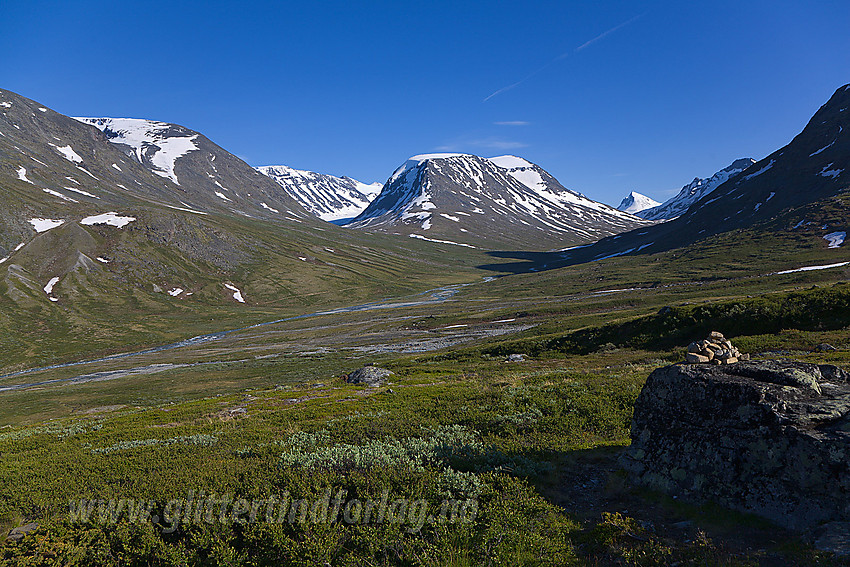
113	307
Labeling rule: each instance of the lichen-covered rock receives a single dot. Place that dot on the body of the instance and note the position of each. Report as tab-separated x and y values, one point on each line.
767	437
17	534
369	375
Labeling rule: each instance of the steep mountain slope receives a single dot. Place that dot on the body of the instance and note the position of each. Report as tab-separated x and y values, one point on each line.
195	172
325	196
503	202
693	192
812	168
635	202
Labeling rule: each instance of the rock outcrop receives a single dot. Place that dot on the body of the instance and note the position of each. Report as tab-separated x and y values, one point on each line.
369	375
767	437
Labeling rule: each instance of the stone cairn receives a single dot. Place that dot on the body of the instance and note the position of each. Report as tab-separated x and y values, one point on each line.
716	349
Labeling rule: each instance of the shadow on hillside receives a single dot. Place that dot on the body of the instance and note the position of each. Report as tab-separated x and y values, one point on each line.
528	261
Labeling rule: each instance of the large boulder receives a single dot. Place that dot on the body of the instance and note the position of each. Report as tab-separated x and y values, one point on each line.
369	375
767	437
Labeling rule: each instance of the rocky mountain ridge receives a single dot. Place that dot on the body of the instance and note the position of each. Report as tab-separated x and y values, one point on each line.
472	201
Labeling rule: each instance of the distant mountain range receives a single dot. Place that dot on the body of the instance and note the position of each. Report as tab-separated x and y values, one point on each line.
472	201
691	193
183	191
635	202
333	199
810	169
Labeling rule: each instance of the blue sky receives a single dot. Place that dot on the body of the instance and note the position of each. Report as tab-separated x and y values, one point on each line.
607	96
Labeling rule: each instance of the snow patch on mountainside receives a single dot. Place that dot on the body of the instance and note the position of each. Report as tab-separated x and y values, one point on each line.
60	195
81	192
111	219
22	174
68	153
48	289
237	294
420	237
835	239
43	225
760	171
149	139
826	172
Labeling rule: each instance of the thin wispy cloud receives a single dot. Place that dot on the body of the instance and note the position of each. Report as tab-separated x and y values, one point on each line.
512	123
481	143
563	56
605	34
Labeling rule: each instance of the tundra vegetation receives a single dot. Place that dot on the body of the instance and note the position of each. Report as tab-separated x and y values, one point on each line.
533	443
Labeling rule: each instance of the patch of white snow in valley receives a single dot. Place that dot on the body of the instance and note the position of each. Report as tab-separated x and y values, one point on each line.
102	260
811	268
272	209
48	289
450	217
175	292
420	237
115	165
19	246
762	170
112	219
43	225
825	172
22	174
60	195
237	295
69	153
149	139
81	192
221	196
835	239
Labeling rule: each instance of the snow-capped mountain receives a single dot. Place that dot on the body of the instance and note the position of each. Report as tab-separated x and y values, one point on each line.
693	192
636	202
330	198
490	203
196	173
